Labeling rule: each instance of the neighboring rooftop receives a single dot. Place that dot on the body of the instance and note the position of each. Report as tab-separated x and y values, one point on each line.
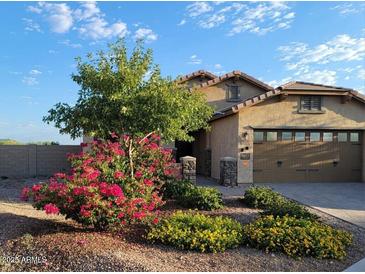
198	73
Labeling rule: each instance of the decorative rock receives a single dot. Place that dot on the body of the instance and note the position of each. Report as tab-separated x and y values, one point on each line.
188	168
228	171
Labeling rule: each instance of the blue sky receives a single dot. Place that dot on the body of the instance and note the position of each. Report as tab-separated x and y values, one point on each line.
321	42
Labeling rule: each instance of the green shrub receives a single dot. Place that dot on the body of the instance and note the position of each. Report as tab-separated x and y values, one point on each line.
175	188
203	198
275	204
287	207
194	231
261	197
194	197
297	237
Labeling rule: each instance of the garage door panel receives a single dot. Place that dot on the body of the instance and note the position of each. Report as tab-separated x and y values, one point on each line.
308	161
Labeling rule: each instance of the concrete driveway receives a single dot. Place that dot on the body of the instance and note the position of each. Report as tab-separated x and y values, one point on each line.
342	200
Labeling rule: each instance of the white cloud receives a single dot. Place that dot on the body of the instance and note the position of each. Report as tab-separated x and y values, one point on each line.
262	18
98	28
337	58
218	66
30	81
28	100
182	22
194	60
89	9
88	20
254	17
349	8
341	48
59	16
145	34
327	77
198	8
212	21
361	74
52	51
15	72
34	9
70	44
30	25
35	72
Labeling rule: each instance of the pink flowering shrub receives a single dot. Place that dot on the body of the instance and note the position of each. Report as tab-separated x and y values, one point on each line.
116	182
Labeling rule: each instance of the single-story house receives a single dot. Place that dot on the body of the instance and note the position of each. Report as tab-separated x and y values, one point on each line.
297	132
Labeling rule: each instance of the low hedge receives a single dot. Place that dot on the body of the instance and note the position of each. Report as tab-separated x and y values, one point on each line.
260	197
175	188
203	198
275	204
195	231
297	237
194	197
290	208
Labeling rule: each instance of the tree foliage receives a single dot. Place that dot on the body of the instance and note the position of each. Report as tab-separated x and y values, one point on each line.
125	93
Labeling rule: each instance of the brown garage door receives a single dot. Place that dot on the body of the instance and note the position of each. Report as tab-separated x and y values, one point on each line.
307	156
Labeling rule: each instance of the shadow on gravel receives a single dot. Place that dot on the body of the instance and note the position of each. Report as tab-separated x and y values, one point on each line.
14	226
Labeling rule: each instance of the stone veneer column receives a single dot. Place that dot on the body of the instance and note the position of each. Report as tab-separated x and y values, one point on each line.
87	140
228	171
188	164
245	156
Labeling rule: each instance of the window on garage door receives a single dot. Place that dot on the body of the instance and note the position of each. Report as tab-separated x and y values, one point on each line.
327	136
271	136
300	136
354	137
258	136
315	136
286	136
342	137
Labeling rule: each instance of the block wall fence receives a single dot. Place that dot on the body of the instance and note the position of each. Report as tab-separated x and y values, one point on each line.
24	161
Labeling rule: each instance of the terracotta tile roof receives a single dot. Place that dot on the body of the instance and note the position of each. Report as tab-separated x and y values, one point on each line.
299	85
235	73
272	93
196	74
246	103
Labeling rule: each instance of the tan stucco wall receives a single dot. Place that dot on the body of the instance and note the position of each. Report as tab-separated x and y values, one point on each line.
196	81
284	114
224	141
363	156
23	161
275	113
216	95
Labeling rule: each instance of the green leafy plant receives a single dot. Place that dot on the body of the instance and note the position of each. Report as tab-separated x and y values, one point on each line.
191	196
194	231
284	207
261	197
275	204
126	93
204	198
297	237
175	188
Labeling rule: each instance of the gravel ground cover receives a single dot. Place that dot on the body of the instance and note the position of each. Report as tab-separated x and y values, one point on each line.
69	247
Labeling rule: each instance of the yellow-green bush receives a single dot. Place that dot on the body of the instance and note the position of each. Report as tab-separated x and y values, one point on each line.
195	231
275	204
297	237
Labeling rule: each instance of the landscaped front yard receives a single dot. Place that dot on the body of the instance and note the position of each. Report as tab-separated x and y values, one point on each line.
56	244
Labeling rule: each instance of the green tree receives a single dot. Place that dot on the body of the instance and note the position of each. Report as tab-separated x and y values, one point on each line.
125	93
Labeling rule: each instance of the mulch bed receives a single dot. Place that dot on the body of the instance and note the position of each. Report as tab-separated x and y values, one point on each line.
69	247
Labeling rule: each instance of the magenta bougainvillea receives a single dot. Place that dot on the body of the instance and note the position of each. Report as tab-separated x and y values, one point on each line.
116	182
